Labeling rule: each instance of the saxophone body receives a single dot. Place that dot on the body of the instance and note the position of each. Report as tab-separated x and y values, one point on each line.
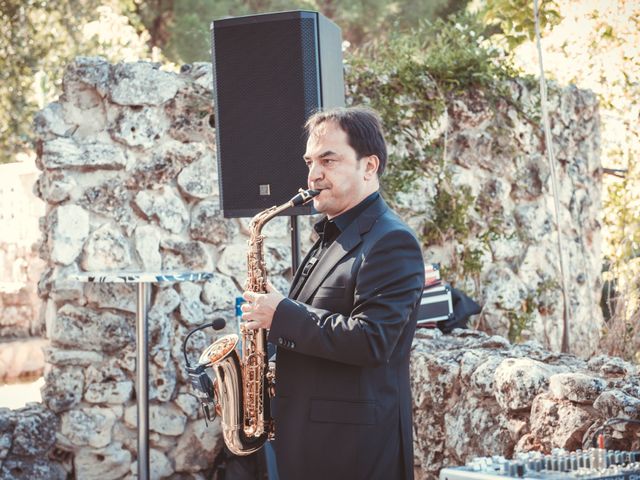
243	382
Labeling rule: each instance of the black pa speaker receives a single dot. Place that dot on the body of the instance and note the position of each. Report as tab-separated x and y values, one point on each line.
271	72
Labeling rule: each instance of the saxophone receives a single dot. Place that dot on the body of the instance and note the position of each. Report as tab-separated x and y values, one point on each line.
243	387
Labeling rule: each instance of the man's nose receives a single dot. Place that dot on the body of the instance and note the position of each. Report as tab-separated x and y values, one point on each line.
315	172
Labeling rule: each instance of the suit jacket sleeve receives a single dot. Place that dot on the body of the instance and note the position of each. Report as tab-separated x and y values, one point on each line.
388	286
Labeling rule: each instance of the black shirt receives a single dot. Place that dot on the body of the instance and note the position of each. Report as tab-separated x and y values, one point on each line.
328	231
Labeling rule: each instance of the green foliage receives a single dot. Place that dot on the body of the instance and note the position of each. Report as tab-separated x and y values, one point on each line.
515	20
451	208
538	301
409	78
181	29
37	40
519	321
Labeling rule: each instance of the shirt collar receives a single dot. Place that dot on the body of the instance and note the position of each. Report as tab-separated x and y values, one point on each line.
345	219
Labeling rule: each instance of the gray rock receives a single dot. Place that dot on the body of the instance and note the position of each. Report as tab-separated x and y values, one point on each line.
119	296
35	431
199	180
106	249
109	463
531	176
163	419
189	256
82	327
65	357
159	465
31	469
63	388
615	403
534	221
576	387
163	377
7	425
107	371
111	199
147	245
138	126
165	206
166	301
141	83
482	379
191	311
504	289
209	225
220	292
196	446
605	365
472	428
109	392
60	285
559	425
162	165
64	152
88	426
233	262
518	381
55	187
277	259
69	227
92	71
189	404
192	112
50	122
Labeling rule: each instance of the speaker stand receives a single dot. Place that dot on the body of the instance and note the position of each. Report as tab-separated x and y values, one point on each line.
295	244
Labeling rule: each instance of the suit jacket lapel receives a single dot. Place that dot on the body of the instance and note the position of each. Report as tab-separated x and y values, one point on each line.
298	272
345	242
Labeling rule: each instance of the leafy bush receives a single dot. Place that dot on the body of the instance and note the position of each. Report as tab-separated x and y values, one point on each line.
409	79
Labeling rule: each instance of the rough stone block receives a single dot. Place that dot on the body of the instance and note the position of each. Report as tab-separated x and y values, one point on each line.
208	224
197	446
142	83
199	180
63	388
165	206
110	463
78	327
69	227
88	426
106	249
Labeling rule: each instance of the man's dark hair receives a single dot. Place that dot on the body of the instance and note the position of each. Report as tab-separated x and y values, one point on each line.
363	128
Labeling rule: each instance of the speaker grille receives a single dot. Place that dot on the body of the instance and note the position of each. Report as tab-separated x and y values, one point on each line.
267	84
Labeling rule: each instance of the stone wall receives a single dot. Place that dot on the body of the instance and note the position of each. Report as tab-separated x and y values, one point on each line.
474	395
21	321
496	234
128	175
478	395
20	266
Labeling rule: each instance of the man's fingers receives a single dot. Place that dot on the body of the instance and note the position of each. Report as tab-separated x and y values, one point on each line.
252	324
249	296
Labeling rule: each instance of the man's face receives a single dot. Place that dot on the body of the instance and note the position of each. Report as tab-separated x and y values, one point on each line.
334	170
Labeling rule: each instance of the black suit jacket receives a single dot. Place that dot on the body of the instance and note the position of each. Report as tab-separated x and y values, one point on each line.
343	400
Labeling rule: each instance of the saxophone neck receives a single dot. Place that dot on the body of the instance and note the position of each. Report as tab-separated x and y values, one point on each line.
303	197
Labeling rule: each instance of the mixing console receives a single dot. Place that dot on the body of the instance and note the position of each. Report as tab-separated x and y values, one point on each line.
595	463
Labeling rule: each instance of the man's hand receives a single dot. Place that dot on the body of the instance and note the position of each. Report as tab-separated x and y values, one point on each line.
259	308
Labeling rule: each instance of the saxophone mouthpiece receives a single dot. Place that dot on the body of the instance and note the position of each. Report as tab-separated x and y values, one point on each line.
303	197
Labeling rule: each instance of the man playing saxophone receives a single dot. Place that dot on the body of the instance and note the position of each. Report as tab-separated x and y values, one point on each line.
342	408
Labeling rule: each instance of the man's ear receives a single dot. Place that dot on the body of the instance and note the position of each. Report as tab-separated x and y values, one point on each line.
371	166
